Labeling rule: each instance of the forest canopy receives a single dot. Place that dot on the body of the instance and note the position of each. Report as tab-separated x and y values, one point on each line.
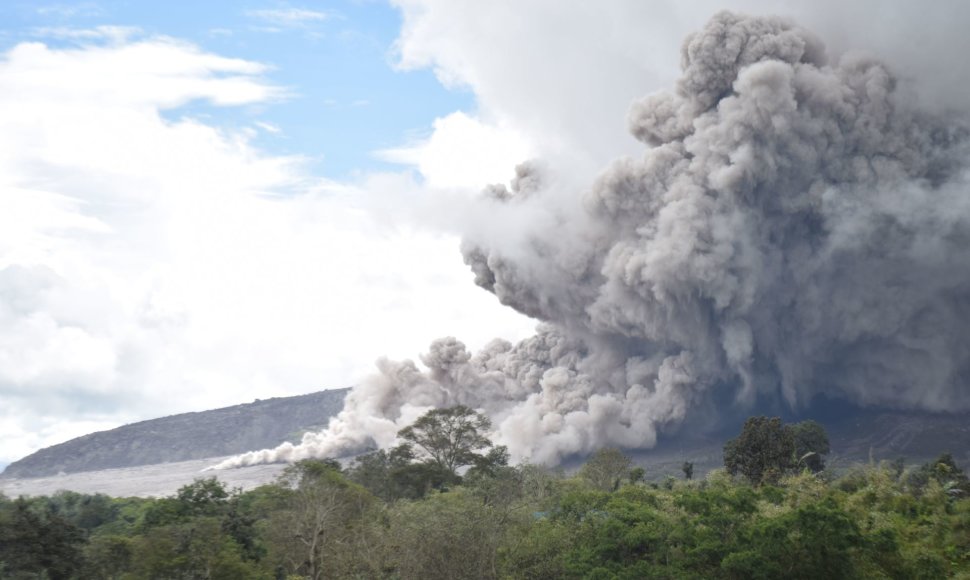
402	514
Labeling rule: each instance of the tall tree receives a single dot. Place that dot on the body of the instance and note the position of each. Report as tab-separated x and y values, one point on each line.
321	530
444	537
452	438
39	542
394	474
763	452
606	468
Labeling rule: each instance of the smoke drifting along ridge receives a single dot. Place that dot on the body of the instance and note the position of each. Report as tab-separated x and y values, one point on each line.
795	227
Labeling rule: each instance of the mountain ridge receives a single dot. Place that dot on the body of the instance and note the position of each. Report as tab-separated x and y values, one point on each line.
186	436
857	435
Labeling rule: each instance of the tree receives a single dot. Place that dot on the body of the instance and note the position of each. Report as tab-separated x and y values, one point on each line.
606	468
39	541
207	497
107	556
811	444
637	474
394	474
85	511
897	466
202	497
240	525
817	540
491	463
538	482
446	536
433	449
688	469
452	437
944	471
195	549
763	451
320	532
373	471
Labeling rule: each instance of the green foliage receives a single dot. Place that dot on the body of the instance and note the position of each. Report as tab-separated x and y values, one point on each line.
396	475
85	511
762	453
36	540
447	439
811	445
500	486
766	450
491	462
446	536
202	497
814	541
452	437
322	526
198	549
606	469
537	549
539	484
378	471
944	471
636	475
503	521
107	556
898	465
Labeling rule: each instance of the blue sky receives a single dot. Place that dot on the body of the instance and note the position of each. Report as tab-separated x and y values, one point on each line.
346	98
199	210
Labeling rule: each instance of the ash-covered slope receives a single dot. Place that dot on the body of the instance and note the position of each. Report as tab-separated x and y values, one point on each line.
215	433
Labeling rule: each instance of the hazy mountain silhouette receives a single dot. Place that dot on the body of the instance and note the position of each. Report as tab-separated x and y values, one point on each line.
256	425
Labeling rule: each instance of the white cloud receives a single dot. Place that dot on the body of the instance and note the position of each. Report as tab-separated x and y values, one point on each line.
115	34
288	17
159	72
564	73
268	127
464	152
561	74
67	11
150	266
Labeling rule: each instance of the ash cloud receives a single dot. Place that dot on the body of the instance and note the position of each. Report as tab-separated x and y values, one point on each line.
794	227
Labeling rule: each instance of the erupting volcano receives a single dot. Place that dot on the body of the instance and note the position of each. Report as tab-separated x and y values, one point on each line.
795	227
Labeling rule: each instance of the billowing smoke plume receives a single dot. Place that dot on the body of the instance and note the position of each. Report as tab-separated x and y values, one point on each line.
794	227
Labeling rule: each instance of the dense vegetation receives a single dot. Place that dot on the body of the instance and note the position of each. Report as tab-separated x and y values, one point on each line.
406	513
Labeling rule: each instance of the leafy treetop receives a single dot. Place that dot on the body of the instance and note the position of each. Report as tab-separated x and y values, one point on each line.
452	437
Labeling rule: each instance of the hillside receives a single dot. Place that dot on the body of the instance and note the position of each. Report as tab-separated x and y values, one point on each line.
856	436
215	433
156	457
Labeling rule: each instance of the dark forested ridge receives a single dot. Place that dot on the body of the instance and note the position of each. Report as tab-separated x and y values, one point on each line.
236	429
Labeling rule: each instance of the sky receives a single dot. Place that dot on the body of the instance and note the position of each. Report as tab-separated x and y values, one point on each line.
205	203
